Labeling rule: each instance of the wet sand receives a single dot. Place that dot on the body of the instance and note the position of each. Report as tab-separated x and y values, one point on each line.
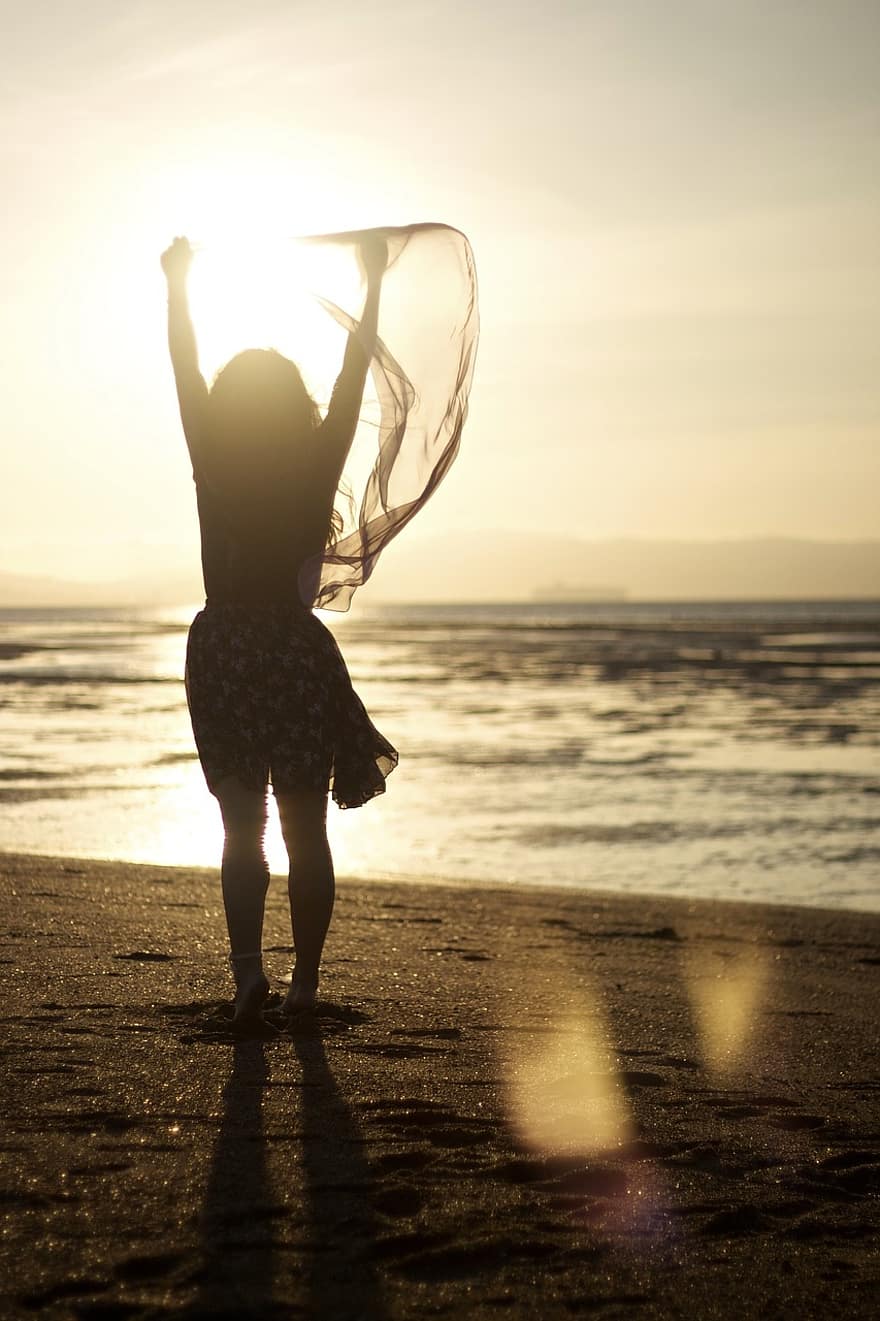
512	1103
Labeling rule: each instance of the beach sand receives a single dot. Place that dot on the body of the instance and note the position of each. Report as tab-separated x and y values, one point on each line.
512	1103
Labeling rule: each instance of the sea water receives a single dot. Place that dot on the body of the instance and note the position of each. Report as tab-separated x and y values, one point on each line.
705	750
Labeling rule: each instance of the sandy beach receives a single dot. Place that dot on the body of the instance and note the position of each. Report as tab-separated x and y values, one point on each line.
511	1103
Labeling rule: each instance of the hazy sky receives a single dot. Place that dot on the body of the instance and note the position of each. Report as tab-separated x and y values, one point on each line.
674	210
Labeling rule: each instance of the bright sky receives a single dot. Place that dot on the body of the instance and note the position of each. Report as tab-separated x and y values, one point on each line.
674	210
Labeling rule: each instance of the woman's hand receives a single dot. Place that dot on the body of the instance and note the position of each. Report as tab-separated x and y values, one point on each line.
373	255
176	261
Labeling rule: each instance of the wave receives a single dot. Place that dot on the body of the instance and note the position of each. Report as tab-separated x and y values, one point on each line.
60	678
562	834
36	793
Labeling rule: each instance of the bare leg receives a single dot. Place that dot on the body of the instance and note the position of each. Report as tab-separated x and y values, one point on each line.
245	879
311	888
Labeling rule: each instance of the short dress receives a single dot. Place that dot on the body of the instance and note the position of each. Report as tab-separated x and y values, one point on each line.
270	698
269	694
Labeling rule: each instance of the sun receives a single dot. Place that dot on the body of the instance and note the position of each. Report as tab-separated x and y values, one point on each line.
253	282
252	293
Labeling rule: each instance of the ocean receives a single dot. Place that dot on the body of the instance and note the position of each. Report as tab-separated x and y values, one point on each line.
708	750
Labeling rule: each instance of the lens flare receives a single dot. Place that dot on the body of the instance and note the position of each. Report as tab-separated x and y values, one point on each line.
725	1004
565	1094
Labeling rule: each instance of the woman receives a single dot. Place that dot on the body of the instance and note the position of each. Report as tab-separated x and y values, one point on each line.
268	691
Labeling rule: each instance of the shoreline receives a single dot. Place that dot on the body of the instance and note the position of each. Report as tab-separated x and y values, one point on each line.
512	1101
651	898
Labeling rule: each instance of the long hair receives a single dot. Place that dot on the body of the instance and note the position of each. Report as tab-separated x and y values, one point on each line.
260	413
260	425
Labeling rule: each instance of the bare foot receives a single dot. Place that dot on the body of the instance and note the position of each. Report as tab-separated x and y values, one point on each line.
251	986
299	998
250	996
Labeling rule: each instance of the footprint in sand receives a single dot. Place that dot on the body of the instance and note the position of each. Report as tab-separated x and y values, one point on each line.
146	956
464	953
149	1267
402	1200
404	1160
799	1123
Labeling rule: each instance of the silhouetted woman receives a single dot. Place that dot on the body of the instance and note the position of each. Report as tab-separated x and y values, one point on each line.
269	694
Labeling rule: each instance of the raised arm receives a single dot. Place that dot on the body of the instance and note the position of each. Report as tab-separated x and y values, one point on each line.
341	421
192	393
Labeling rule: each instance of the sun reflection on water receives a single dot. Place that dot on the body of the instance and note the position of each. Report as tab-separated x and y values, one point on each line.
190	832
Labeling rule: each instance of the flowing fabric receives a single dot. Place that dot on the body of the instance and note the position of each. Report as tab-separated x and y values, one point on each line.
416	399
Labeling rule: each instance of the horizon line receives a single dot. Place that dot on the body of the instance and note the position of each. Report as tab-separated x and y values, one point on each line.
531	602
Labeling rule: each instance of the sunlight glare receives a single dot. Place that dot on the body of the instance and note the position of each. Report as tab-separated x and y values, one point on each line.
727	1004
253	282
259	295
565	1092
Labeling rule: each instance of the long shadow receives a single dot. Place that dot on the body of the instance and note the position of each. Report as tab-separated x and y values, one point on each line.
339	1187
237	1223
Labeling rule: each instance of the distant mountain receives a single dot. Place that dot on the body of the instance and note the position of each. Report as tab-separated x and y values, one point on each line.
513	566
23	590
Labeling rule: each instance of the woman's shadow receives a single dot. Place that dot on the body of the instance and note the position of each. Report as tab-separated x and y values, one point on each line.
263	1256
339	1190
